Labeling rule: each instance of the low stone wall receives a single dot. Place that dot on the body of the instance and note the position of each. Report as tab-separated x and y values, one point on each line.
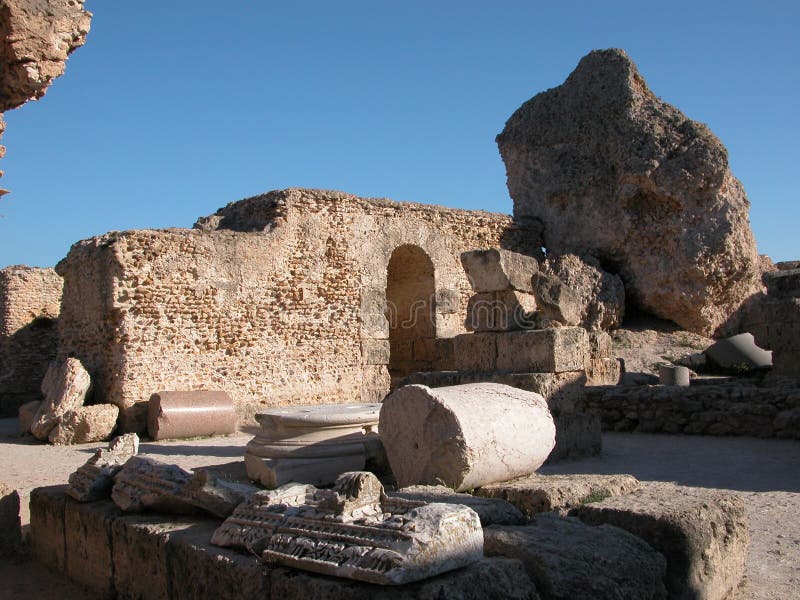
159	557
727	409
30	300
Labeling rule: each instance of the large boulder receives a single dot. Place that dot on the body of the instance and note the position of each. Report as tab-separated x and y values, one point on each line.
614	172
65	387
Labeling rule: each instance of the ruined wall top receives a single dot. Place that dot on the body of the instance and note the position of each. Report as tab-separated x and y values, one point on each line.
26	294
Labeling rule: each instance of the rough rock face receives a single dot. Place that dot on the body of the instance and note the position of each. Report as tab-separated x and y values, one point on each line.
85	424
36	36
599	296
613	171
65	387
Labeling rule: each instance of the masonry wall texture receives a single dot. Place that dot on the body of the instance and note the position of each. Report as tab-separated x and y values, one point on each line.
278	299
30	300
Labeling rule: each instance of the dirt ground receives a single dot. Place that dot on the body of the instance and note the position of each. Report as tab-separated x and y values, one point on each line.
765	472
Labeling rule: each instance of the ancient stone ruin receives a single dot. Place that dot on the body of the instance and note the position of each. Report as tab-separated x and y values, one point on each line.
614	172
36	36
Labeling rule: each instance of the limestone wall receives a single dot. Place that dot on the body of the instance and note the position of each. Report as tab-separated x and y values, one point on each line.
278	299
30	301
729	409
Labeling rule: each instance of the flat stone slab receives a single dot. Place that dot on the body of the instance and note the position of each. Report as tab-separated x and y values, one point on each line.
702	533
492	511
544	493
568	560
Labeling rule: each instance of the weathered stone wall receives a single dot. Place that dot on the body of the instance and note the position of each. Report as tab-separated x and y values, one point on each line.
727	409
278	299
30	300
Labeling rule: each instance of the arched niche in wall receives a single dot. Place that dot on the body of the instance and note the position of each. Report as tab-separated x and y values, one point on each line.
410	311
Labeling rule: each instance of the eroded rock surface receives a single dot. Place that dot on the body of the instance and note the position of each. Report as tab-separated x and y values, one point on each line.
36	36
65	387
85	424
614	172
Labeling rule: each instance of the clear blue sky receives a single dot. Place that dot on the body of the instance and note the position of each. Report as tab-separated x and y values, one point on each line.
173	109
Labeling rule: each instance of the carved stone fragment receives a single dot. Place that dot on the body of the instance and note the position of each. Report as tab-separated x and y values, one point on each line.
312	444
465	436
147	484
65	387
355	531
93	480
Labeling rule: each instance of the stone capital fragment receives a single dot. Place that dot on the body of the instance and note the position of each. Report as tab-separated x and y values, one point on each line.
93	480
355	531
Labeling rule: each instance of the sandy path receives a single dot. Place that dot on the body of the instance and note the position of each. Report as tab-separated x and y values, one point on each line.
765	472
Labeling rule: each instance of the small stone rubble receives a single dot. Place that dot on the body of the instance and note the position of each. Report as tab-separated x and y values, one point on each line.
355	531
93	480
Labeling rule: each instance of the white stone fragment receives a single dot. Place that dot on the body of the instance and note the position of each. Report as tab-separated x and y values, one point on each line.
465	436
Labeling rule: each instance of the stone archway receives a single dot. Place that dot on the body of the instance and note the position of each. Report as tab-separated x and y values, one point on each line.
410	310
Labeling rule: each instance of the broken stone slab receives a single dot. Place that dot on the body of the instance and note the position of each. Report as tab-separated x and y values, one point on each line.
183	414
543	350
85	424
545	493
487	579
10	526
93	480
492	511
465	436
65	387
508	310
568	560
27	414
476	352
312	444
497	270
739	352
556	299
702	533
355	531
147	484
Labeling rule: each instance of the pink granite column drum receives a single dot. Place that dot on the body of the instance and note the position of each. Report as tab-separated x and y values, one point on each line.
190	414
465	436
312	444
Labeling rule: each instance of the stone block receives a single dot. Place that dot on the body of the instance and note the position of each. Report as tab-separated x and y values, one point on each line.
508	310
578	434
465	436
557	300
448	301
784	283
85	424
374	326
600	344
27	413
87	535
65	386
603	371
445	354
568	560
491	511
543	350
488	579
496	270
141	557
375	352
545	493
702	533
10	531
424	350
47	534
200	570
182	414
476	352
